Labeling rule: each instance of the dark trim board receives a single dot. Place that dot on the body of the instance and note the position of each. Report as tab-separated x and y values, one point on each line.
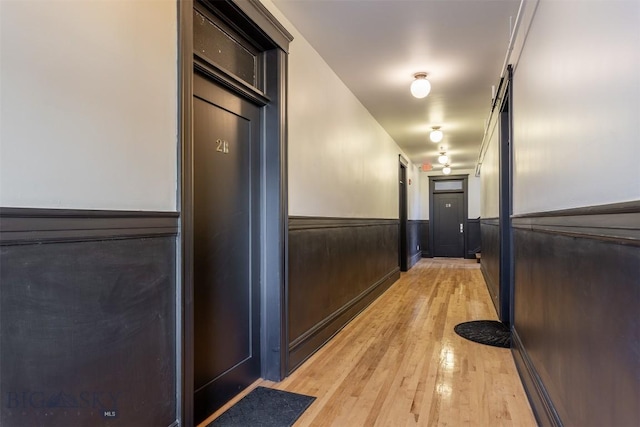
311	223
576	302
87	305
618	223
38	225
337	266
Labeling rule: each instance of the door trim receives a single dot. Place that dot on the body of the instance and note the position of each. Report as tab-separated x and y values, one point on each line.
505	201
432	184
257	23
403	256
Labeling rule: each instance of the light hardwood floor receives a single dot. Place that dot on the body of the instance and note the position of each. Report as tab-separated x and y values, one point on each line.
399	363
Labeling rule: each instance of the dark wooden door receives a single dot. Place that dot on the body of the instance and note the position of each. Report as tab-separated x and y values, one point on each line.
226	285
448	231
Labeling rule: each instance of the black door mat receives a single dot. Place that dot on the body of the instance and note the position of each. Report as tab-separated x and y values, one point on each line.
265	407
489	332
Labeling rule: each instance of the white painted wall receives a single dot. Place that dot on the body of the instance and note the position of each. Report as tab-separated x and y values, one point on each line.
473	192
88	107
341	161
489	175
577	107
414	189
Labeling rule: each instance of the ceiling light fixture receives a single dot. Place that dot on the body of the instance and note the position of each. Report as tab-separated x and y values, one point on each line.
443	158
436	134
446	169
420	87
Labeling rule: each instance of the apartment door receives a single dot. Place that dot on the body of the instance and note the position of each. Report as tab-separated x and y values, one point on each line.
226	244
448	227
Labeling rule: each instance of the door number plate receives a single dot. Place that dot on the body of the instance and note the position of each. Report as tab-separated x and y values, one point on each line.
222	146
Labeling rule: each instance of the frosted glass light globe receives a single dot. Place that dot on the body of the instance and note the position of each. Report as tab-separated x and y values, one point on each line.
446	170
443	159
420	86
436	135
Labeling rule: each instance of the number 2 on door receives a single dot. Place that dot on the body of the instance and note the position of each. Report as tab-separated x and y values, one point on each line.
222	146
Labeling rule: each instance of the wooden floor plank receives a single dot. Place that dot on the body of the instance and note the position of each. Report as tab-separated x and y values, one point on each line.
399	363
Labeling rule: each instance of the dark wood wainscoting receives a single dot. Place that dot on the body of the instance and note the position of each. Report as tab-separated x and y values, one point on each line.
337	266
88	317
577	299
413	242
423	235
473	238
490	265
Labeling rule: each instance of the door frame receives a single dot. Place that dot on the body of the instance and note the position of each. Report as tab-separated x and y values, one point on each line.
505	200
465	207
253	20
403	256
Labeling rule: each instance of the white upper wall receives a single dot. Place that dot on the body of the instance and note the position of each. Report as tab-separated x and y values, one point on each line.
342	163
414	190
577	107
490	174
88	104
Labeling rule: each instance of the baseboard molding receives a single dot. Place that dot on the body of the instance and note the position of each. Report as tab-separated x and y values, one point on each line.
541	404
311	341
414	259
490	286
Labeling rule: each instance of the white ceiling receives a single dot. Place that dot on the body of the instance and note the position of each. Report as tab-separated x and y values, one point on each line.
375	47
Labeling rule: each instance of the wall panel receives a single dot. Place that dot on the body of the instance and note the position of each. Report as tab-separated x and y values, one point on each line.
413	242
87	318
472	234
577	299
337	266
423	234
490	264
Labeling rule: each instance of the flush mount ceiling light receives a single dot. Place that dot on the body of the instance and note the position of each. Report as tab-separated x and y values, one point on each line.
436	134
443	158
420	86
446	169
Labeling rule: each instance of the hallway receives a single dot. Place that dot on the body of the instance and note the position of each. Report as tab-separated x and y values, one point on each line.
400	362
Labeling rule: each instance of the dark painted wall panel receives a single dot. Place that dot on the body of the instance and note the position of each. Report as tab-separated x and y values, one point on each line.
88	330
490	264
336	267
576	313
423	235
413	242
473	238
